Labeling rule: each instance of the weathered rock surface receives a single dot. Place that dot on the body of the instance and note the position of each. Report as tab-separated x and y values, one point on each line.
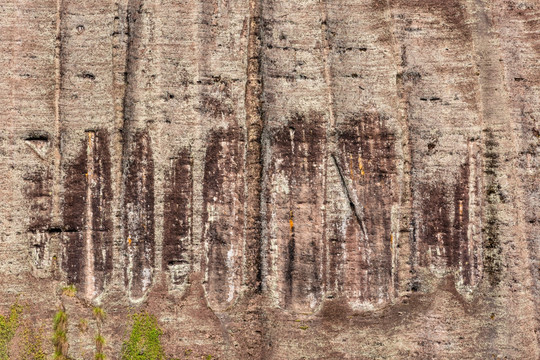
278	179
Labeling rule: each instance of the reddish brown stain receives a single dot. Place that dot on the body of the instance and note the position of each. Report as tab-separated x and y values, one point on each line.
460	247
75	192
178	215
37	190
434	226
102	237
73	218
223	214
138	211
297	155
367	157
74	213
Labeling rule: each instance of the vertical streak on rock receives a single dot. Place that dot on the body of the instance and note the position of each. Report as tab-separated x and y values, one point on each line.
327	247
254	164
123	59
57	145
89	287
178	215
327	69
295	211
504	243
101	223
87	216
499	142
139	216
37	189
367	153
474	231
405	237
138	194
130	86
75	197
223	219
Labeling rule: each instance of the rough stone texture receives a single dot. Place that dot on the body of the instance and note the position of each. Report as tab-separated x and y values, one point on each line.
278	179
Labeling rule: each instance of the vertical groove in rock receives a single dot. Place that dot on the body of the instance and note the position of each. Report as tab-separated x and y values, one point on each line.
119	45
89	216
329	149
406	258
57	142
132	15
254	162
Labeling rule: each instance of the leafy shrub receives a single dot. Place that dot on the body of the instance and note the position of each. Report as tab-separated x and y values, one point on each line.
60	335
143	342
69	290
8	326
32	344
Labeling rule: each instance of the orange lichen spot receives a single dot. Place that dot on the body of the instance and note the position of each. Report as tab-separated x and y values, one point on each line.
291	222
90	137
391	239
361	166
129	240
460	207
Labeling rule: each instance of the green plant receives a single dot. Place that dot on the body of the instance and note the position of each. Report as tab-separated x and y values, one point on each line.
69	290
8	326
60	335
143	342
100	342
32	344
99	314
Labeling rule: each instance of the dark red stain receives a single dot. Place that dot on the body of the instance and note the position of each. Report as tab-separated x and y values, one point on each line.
298	153
223	198
37	189
434	225
102	236
367	156
178	214
336	256
461	224
74	213
138	213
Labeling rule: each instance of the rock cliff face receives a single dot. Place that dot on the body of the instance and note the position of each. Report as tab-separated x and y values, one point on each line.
275	179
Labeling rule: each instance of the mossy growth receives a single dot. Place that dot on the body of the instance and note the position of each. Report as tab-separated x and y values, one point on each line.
60	335
144	341
69	290
99	314
32	344
100	343
8	326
